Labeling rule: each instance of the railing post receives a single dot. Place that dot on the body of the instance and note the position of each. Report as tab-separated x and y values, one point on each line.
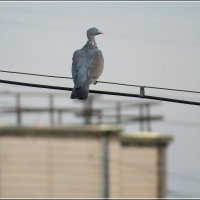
118	114
148	117
51	108
18	109
141	107
60	117
142	91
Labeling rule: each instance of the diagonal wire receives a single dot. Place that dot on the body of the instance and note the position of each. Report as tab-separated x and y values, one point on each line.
102	92
105	82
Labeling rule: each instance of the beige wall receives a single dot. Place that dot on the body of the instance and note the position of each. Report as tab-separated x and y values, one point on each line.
133	171
139	172
32	166
49	167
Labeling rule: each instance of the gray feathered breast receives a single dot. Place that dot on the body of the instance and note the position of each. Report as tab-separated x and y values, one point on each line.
87	65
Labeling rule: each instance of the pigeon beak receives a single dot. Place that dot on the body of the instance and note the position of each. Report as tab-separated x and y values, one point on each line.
98	33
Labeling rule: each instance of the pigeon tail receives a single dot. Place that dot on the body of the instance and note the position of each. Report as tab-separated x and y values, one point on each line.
80	92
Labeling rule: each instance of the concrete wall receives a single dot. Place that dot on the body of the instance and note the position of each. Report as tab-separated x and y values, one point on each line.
68	162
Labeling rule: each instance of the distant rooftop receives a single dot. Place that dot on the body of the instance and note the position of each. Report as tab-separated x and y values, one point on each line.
88	130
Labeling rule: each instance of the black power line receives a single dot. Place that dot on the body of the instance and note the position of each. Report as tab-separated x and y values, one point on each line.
102	92
105	82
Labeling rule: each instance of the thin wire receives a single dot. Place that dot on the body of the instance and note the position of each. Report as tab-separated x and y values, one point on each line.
32	74
64	77
102	92
104	82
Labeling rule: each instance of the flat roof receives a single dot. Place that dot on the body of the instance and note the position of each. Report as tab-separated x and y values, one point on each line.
79	130
145	137
151	138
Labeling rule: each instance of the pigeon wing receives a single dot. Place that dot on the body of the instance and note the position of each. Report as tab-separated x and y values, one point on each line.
78	60
96	66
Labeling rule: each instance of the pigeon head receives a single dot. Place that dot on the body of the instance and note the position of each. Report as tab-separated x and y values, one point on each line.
93	32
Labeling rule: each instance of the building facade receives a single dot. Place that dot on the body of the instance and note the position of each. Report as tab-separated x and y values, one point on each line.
84	161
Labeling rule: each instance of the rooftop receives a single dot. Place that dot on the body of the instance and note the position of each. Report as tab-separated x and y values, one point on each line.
150	138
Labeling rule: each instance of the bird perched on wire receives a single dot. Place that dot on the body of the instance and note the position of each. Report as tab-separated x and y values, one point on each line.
87	66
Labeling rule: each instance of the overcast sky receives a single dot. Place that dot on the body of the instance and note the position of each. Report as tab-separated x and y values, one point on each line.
147	43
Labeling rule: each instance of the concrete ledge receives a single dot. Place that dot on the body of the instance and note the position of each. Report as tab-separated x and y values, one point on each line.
61	131
136	138
145	138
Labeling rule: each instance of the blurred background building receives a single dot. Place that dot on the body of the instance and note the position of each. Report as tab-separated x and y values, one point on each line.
94	159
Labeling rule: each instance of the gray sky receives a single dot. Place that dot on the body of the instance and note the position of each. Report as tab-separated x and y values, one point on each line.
147	43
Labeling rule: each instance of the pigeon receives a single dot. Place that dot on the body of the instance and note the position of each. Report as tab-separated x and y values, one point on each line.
87	66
